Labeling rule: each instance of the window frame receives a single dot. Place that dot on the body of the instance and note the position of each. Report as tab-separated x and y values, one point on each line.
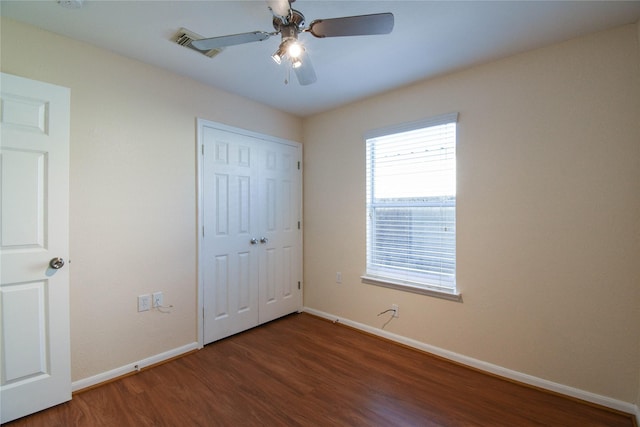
396	283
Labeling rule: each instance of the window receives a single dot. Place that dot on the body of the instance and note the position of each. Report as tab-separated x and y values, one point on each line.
411	206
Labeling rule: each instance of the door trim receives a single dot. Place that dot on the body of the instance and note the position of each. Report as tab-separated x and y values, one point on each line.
200	124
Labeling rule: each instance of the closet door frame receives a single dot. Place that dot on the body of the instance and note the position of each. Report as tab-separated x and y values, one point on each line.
201	124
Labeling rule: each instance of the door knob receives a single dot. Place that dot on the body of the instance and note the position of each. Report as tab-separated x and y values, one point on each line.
253	241
263	240
56	263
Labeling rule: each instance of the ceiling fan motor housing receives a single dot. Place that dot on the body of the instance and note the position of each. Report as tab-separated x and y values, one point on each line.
293	25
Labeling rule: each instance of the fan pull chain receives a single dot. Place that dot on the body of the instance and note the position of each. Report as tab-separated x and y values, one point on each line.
288	76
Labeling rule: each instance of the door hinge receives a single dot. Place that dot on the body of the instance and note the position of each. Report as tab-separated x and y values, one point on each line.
298	165
298	285
202	146
298	225
203	231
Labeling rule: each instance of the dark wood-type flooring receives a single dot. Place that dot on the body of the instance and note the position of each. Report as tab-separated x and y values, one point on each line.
304	371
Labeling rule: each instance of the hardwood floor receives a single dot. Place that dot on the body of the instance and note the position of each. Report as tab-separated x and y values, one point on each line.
304	371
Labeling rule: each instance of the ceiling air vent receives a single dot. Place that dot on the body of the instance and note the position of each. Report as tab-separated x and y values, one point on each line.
184	38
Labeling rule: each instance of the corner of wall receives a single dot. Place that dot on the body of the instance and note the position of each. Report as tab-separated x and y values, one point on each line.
638	403
638	398
638	28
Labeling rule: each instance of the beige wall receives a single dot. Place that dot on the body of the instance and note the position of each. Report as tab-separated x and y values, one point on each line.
133	193
548	208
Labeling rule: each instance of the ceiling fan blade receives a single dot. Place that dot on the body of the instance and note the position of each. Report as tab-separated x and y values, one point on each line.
231	40
305	73
361	25
279	8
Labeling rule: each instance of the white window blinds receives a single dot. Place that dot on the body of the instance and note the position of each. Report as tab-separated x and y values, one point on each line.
411	203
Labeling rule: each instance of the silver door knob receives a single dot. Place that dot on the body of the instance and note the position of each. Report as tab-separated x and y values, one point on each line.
56	263
253	241
263	240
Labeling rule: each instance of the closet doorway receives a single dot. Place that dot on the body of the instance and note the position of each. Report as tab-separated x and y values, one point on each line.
249	229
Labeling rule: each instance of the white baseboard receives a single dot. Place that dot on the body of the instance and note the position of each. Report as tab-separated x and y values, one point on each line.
131	367
608	402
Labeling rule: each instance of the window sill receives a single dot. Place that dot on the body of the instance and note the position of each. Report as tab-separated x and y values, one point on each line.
409	287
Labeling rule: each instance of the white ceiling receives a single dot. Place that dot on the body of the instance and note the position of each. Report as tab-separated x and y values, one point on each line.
430	38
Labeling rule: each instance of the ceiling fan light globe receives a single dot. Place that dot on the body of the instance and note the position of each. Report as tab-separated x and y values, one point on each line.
296	62
279	54
294	50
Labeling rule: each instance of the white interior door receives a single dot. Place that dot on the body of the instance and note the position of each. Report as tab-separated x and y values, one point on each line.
229	260
251	242
279	214
34	199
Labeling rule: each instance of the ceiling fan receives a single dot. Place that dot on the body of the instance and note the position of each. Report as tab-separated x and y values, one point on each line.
289	23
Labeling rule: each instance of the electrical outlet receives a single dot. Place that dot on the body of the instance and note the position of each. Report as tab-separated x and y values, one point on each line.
157	299
338	277
144	302
396	310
